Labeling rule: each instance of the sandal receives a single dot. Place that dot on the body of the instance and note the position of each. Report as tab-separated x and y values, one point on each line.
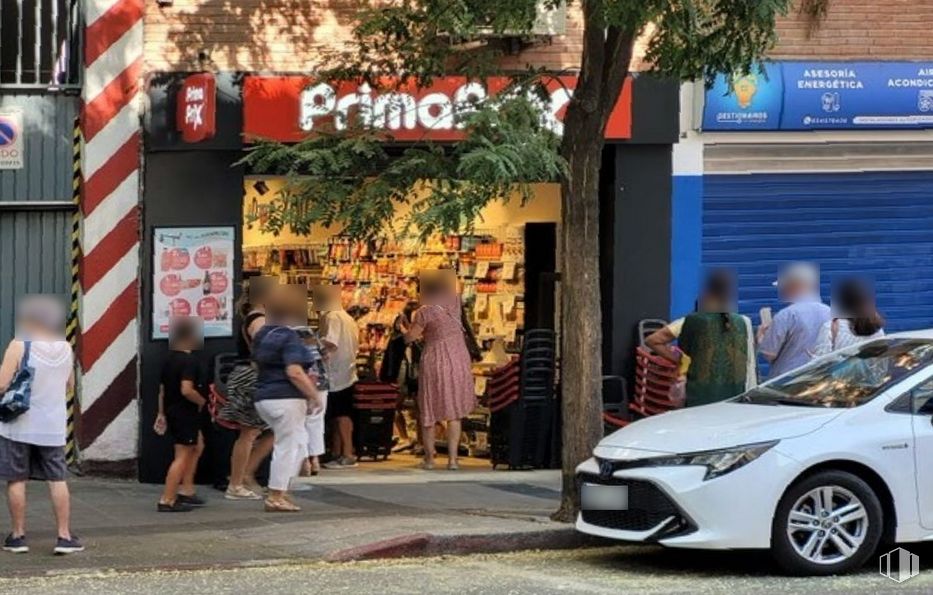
426	465
282	505
453	467
241	493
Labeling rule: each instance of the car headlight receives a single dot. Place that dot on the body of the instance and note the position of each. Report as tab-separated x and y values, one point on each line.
718	462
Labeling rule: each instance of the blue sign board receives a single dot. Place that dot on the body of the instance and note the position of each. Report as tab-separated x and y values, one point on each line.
824	96
751	102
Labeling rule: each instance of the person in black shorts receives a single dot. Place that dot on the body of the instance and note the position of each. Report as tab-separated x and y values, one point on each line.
180	413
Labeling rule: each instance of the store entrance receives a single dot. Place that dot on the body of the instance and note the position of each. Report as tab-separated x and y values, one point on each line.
506	269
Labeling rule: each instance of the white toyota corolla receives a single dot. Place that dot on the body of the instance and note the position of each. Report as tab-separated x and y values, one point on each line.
820	465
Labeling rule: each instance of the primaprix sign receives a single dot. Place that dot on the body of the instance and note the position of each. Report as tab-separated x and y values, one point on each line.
289	108
196	116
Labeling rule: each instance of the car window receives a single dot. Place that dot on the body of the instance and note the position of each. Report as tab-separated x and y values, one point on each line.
920	398
847	378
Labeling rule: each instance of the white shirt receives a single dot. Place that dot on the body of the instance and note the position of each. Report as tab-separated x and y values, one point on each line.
44	424
825	343
339	330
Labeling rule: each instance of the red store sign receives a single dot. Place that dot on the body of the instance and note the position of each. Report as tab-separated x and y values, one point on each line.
289	108
196	111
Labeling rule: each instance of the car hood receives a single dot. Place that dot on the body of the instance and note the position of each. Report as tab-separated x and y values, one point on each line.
708	427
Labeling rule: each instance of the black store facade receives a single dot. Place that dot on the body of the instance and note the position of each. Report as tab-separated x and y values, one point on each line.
198	184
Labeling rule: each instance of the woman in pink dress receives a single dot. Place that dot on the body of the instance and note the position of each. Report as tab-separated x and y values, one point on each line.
445	384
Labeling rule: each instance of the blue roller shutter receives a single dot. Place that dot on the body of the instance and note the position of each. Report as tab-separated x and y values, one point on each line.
878	224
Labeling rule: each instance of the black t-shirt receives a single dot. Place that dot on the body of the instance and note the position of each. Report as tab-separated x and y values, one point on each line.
180	366
244	343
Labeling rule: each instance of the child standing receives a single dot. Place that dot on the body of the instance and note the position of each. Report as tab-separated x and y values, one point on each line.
314	421
180	407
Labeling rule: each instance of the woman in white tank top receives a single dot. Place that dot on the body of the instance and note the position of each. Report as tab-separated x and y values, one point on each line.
32	445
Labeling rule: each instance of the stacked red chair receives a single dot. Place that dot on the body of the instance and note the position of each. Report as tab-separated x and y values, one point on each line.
374	404
503	387
655	378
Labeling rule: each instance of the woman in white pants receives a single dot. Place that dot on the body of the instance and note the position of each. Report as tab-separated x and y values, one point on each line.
314	426
284	391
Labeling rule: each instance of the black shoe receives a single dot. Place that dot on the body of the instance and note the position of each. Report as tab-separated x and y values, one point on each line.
178	506
68	546
16	545
192	501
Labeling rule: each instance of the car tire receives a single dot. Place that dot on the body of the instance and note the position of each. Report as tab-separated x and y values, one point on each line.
834	550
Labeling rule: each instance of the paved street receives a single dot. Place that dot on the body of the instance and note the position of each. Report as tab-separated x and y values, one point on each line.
607	570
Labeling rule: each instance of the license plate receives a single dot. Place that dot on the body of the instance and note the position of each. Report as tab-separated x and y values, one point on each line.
601	497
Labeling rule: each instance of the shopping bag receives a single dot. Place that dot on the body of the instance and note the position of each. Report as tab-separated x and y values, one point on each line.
15	401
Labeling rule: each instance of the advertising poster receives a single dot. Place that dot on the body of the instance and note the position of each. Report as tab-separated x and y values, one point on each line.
193	269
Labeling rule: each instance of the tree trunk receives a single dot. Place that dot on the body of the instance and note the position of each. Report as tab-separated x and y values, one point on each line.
581	313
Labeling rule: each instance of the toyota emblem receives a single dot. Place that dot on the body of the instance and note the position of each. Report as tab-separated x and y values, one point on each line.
605	469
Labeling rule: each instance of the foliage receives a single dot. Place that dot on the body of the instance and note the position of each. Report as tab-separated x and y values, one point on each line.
358	180
352	178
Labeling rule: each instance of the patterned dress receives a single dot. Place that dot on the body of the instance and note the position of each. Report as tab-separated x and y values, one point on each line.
445	384
719	356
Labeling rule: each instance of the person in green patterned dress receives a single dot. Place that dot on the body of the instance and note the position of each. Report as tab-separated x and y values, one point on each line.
718	341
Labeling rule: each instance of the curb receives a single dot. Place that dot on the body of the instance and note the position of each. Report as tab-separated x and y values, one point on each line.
419	545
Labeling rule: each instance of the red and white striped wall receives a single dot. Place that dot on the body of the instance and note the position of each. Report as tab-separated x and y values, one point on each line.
110	235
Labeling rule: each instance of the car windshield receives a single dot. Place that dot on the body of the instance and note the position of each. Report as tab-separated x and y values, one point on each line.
848	378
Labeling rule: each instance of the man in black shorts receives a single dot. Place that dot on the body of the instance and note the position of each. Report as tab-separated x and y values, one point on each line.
180	407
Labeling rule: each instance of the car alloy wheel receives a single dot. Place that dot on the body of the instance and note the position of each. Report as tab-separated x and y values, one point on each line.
829	522
827	525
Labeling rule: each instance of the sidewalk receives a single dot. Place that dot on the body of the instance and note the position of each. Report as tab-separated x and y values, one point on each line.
374	511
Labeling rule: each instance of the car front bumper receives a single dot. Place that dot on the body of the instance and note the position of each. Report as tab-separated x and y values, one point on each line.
676	507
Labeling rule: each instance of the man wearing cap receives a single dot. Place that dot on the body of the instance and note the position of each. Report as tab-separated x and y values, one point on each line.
787	341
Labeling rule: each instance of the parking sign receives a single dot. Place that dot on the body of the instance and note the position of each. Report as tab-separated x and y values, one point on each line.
11	138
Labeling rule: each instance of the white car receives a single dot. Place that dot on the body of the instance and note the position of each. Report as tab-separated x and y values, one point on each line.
820	465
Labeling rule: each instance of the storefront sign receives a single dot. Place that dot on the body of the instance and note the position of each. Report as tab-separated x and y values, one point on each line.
12	148
825	96
193	276
858	95
289	108
745	102
197	108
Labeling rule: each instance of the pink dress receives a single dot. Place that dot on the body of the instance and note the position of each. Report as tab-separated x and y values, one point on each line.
445	382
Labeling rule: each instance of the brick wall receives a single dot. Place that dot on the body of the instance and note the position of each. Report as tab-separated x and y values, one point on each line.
287	35
291	35
861	29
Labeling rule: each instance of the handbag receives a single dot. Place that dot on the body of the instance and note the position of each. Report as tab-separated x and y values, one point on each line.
15	401
469	339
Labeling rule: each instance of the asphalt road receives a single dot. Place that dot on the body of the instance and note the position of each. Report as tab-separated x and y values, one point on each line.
607	570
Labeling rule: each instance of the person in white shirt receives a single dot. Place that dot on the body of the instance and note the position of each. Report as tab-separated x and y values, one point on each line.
32	444
340	336
855	318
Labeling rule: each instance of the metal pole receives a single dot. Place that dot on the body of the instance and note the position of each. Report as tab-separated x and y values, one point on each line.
37	45
55	47
71	445
19	42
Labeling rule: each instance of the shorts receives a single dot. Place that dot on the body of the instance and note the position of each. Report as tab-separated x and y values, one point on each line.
20	461
340	403
184	425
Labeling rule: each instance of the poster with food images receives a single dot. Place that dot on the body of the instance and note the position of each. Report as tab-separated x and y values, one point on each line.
193	276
